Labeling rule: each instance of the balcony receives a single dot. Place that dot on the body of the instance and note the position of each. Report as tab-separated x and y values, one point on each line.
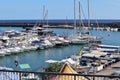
26	75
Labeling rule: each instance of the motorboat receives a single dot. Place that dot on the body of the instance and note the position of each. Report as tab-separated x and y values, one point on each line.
47	44
106	46
2	53
78	41
64	41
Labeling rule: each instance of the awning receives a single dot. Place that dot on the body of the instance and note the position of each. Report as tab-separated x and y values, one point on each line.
24	66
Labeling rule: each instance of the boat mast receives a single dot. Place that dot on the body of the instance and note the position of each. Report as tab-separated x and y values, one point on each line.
66	20
74	14
47	17
43	14
67	24
88	15
80	20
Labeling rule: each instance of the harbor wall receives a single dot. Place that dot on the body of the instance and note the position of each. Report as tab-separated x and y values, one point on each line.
23	23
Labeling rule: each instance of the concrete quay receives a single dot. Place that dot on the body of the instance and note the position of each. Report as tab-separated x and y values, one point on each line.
109	69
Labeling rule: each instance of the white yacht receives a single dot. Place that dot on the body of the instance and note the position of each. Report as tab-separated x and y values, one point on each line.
106	46
64	41
34	47
2	53
7	51
13	50
78	41
47	44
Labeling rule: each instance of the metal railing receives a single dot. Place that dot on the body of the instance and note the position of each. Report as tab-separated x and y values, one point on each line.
26	75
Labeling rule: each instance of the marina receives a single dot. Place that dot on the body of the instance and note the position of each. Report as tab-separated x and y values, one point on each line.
37	62
59	40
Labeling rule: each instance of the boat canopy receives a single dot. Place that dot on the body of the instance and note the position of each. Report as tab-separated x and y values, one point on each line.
24	66
51	61
95	54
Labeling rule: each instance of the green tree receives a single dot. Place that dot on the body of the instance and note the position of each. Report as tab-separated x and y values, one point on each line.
53	67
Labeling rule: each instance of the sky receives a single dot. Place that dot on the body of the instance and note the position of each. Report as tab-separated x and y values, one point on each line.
58	9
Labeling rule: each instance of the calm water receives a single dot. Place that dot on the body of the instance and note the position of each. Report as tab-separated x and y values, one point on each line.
36	59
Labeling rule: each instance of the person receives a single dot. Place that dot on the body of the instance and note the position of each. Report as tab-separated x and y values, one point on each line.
16	63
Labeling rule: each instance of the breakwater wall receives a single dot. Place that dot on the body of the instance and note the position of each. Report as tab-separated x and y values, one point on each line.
31	23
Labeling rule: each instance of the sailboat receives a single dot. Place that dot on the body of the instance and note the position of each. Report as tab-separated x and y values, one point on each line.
90	38
76	38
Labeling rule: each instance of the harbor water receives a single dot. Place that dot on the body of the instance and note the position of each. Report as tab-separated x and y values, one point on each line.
36	59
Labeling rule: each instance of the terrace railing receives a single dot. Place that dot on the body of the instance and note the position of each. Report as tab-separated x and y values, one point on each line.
26	75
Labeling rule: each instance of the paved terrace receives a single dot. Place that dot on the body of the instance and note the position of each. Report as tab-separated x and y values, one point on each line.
109	69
